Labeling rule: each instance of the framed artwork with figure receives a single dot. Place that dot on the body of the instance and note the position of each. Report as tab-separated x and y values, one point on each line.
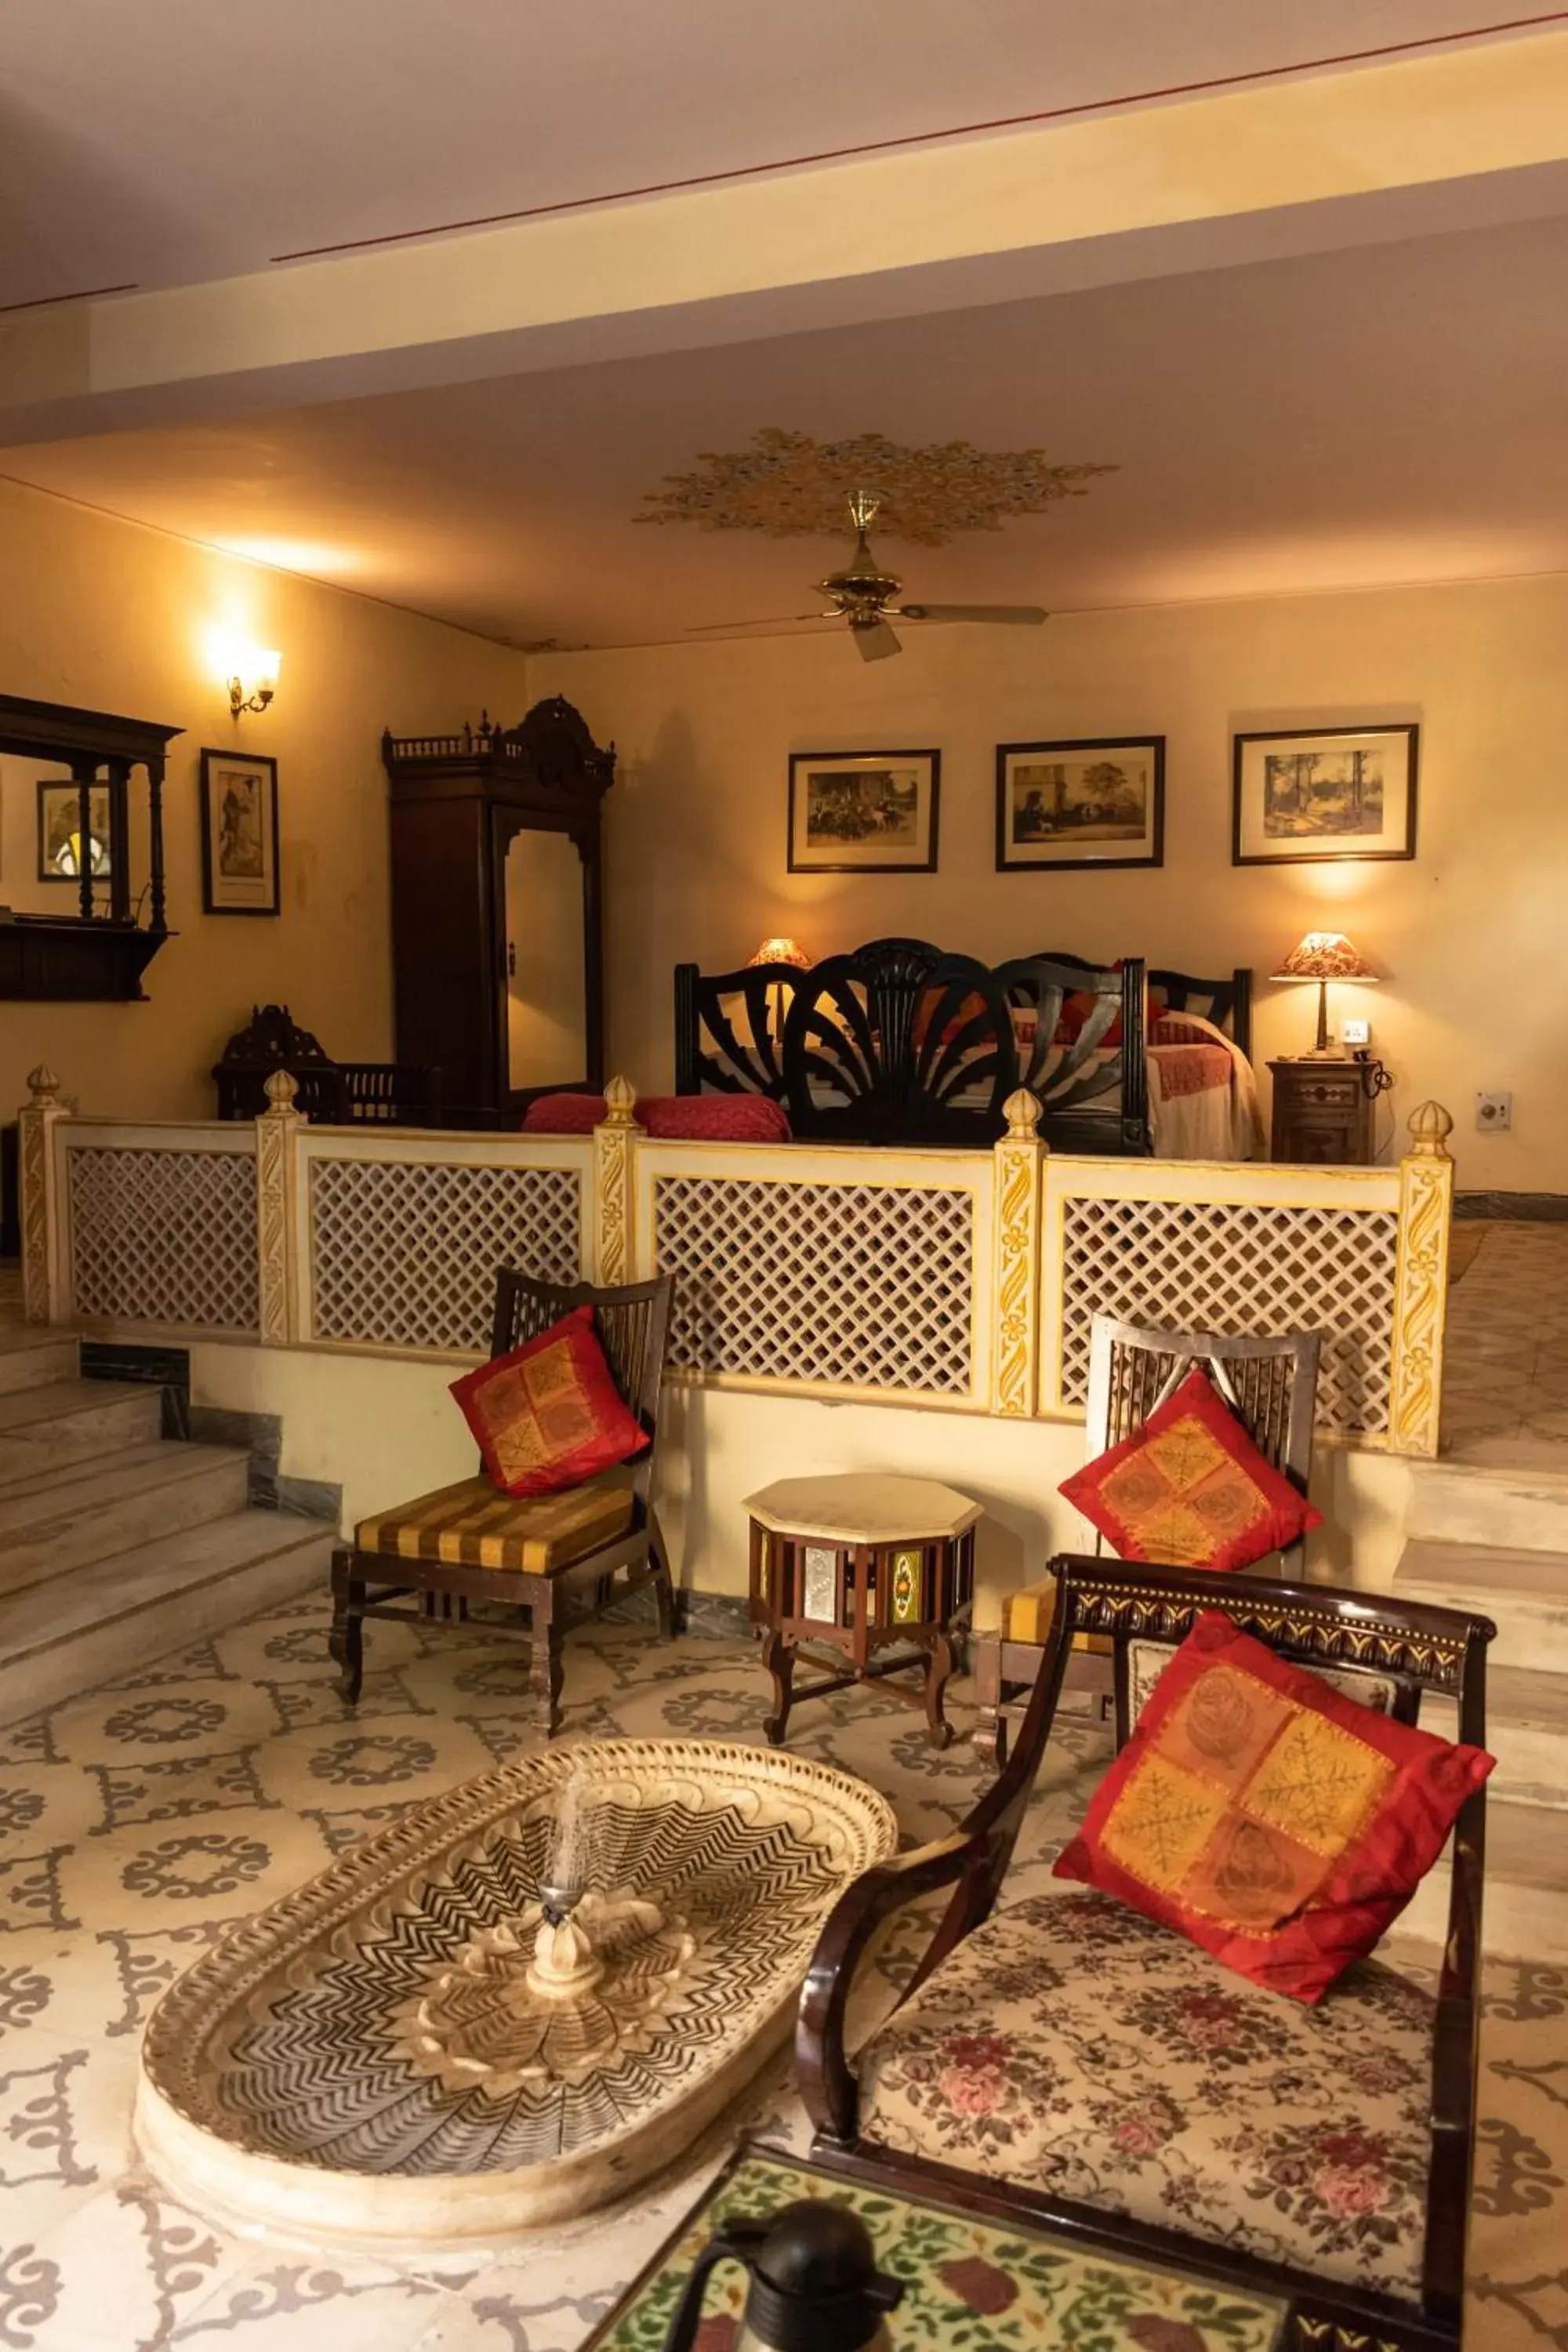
863	812
239	834
1096	799
1302	798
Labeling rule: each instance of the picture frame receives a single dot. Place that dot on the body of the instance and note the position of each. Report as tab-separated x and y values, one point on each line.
239	834
864	812
1324	795
59	817
1082	800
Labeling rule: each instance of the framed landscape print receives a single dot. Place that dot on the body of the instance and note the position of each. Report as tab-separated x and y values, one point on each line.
60	826
1330	793
863	812
1091	801
239	834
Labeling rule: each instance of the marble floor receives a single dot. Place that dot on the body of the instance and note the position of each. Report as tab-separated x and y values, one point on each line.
1505	1361
139	1819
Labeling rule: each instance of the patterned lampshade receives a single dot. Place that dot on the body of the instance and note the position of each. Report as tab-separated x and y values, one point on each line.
1325	955
782	950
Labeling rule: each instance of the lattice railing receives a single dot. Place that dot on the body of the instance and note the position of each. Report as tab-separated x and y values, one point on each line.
849	1285
1239	1267
404	1255
163	1237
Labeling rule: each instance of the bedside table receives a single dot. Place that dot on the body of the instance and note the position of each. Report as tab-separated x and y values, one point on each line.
1323	1112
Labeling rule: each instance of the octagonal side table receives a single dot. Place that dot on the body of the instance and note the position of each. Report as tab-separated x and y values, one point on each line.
862	1562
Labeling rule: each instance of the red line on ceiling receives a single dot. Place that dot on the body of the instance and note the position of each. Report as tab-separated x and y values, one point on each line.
88	294
924	138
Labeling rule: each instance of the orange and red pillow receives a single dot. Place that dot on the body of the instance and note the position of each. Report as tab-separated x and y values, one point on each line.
549	1414
697	1118
1189	1489
1271	1821
1081	1003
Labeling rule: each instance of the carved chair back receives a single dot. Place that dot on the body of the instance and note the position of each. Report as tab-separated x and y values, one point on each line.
632	1321
1226	1003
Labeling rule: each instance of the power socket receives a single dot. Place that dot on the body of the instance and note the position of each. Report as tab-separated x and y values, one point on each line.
1355	1033
1494	1113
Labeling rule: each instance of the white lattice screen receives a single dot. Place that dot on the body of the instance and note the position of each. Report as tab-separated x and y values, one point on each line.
858	1285
1239	1267
163	1237
404	1256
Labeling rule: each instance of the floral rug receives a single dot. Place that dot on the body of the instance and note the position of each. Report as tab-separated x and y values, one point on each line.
141	1818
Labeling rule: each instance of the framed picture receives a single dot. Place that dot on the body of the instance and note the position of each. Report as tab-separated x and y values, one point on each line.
1331	792
863	812
1092	801
59	829
239	834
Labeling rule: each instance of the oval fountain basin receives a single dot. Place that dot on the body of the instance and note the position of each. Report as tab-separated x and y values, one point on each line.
411	2047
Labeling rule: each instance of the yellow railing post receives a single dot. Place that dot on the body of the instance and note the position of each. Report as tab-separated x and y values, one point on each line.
1019	1158
614	1205
1421	1283
43	1291
277	1310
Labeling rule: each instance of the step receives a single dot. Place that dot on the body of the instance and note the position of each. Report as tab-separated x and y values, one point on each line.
107	1620
1525	1594
73	1515
74	1420
31	1355
1527	1732
1509	1505
1524	1905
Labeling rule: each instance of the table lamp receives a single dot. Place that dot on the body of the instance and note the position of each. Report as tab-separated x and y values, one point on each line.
782	950
1323	956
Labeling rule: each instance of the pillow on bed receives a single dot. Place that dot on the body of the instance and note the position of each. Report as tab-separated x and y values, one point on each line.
697	1118
564	1114
1076	1008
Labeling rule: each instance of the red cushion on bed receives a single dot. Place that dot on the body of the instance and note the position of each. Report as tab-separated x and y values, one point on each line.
564	1114
694	1118
1076	1008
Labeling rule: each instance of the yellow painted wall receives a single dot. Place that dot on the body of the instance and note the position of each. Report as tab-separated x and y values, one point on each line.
102	613
1469	934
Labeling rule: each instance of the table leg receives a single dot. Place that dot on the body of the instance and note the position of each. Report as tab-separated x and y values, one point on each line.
991	1728
939	1670
778	1657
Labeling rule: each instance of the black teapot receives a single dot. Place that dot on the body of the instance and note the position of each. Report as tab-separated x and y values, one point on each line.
815	2284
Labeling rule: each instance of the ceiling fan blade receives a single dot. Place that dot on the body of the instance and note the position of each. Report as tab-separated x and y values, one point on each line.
1022	615
874	641
764	621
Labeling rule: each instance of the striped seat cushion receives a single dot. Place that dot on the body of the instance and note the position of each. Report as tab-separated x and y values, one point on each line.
474	1525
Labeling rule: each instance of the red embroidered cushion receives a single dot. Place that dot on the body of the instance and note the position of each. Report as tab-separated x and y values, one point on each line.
1190	1489
549	1414
1270	1819
564	1114
719	1118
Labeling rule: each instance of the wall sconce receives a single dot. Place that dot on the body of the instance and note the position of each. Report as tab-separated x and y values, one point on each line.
252	678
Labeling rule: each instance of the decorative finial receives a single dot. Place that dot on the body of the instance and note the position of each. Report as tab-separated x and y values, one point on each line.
620	1102
1430	1128
44	1086
280	1090
1022	1115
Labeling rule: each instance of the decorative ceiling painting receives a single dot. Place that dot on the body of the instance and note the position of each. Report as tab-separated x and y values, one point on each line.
790	486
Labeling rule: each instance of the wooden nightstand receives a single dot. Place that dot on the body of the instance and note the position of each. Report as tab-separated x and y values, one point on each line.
1323	1112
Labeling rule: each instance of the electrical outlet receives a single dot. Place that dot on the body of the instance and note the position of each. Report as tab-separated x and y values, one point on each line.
1355	1033
1494	1113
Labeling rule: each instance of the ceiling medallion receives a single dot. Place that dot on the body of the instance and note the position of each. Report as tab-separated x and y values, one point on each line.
792	487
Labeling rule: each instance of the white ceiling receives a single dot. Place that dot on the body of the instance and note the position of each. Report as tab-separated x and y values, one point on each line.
1386	413
170	142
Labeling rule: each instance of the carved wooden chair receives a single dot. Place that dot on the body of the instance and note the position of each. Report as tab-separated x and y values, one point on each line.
469	1542
1124	2083
1272	1386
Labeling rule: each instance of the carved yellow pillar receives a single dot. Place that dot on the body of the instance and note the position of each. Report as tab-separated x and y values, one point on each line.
615	1205
1019	1158
278	1303
44	1286
1421	1283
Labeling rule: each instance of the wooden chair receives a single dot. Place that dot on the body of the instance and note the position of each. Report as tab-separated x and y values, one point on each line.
469	1542
1090	1988
1272	1386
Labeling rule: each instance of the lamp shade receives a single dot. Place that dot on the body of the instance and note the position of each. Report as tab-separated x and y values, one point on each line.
782	950
1325	955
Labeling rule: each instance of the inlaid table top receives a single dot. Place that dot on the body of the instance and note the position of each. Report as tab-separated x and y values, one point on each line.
863	1507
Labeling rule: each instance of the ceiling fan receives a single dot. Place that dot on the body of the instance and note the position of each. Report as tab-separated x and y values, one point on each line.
862	593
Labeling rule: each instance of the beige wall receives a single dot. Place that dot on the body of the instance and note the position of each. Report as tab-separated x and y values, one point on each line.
102	613
1469	934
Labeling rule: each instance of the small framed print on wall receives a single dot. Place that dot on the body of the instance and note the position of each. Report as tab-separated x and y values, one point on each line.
59	832
863	812
1329	793
1092	801
239	834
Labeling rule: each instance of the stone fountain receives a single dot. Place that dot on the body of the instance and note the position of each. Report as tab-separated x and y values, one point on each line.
512	2006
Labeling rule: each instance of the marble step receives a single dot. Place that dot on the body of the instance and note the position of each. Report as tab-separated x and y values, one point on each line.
1527	1732
1524	1592
71	1515
1524	1905
31	1356
108	1619
74	1420
1512	1507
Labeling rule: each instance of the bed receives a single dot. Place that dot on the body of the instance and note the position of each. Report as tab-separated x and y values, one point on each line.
902	1041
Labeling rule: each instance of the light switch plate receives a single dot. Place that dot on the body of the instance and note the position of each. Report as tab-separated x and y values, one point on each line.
1494	1113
